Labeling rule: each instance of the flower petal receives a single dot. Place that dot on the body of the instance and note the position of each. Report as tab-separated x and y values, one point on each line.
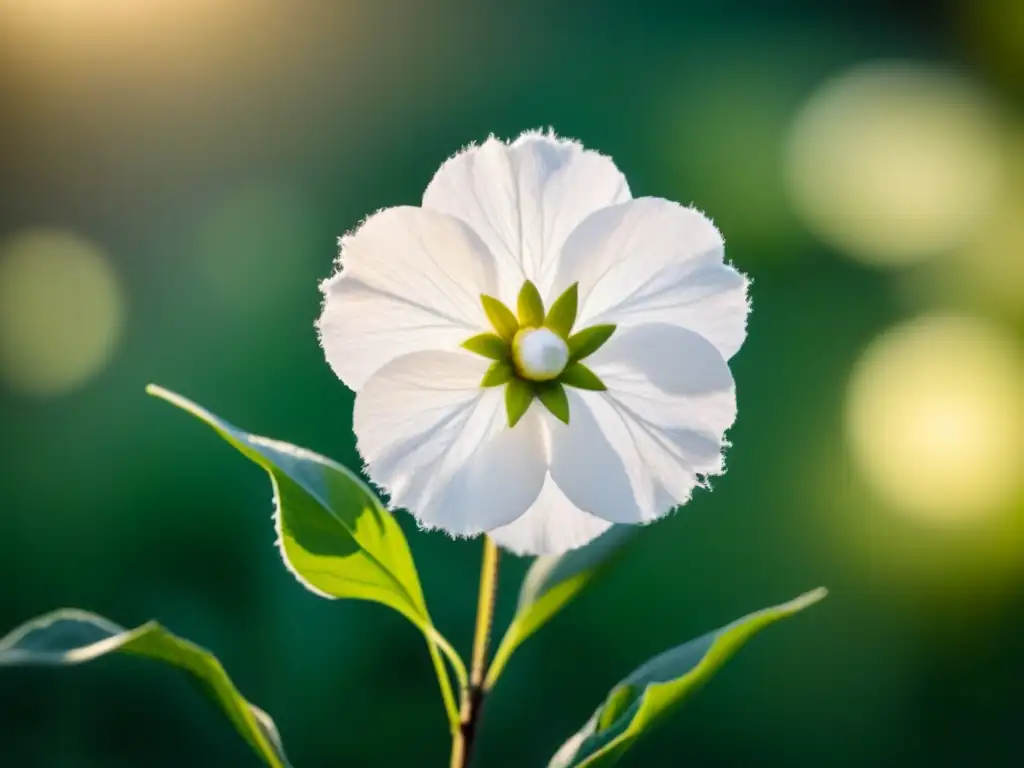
524	199
441	447
631	454
410	280
552	526
654	261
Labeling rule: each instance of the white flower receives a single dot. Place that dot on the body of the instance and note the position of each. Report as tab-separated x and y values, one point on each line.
479	418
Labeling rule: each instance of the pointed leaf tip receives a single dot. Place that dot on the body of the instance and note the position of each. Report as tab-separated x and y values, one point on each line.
333	533
588	341
530	306
518	396
562	315
183	403
579	376
500	317
497	374
488	345
552	395
155	390
651	691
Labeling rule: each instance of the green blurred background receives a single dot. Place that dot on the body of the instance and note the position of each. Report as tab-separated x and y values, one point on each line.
174	174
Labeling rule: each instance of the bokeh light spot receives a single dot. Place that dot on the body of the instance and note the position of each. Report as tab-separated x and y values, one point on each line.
896	163
986	276
935	419
61	312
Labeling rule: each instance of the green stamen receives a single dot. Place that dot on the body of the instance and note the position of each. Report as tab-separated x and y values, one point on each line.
503	346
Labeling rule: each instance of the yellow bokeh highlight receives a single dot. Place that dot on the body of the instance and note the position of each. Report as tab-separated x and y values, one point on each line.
111	18
62	44
894	163
935	419
986	275
61	312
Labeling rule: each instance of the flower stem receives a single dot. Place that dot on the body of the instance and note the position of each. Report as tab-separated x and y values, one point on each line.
464	737
445	682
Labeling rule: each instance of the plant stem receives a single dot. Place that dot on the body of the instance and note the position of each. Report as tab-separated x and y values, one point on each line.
445	682
464	737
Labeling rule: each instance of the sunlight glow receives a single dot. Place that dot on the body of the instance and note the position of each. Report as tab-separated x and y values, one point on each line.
61	312
935	419
894	163
58	40
109	16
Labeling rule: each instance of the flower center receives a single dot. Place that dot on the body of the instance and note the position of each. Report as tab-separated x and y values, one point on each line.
539	354
536	354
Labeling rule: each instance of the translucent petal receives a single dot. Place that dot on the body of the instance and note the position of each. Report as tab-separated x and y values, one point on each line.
410	280
551	526
441	447
524	199
632	453
654	261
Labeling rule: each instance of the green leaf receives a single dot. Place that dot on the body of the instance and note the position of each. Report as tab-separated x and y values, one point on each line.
588	341
518	396
552	583
619	700
70	636
333	533
644	698
489	345
530	306
562	314
552	394
497	374
500	317
579	376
